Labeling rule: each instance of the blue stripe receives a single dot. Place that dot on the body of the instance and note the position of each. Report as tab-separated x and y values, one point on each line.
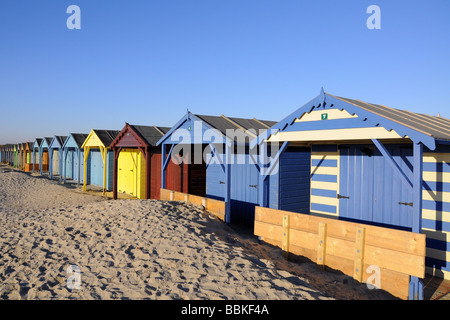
324	163
323	207
436	166
324	193
440	148
436	186
436	205
438	244
329	125
436	225
324	177
437	264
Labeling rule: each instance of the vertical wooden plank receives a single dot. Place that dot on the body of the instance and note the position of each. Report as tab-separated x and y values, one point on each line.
321	248
228	152
417	209
115	169
172	195
86	156
104	153
359	253
285	236
79	166
148	170
163	169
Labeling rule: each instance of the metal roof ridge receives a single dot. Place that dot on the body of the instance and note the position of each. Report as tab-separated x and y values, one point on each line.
261	123
159	130
238	125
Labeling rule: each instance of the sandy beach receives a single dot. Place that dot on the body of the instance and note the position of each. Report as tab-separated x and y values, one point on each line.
140	249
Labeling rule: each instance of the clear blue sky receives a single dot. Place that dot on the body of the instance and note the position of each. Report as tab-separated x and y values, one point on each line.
146	62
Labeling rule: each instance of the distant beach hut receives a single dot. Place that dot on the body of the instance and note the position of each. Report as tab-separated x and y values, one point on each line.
11	154
96	147
73	157
35	153
137	161
16	155
5	155
44	158
20	153
55	155
28	165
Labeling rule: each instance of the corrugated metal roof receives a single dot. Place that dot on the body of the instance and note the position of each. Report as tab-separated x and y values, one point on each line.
250	126
151	134
436	127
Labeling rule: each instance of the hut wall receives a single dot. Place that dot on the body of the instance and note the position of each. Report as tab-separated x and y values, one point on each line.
436	210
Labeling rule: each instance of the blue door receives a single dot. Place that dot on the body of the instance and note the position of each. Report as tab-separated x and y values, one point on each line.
370	190
69	164
215	181
244	190
96	168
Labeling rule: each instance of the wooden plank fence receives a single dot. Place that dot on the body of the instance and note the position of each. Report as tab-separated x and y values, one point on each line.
352	248
213	206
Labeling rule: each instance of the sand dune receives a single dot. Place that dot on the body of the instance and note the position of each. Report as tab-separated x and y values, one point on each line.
140	249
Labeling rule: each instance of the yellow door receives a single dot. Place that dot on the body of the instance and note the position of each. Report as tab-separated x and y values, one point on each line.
131	173
126	172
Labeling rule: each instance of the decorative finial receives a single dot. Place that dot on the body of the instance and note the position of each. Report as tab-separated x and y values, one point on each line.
322	97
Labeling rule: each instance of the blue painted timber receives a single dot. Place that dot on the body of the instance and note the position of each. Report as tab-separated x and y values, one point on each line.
373	188
73	156
56	145
244	187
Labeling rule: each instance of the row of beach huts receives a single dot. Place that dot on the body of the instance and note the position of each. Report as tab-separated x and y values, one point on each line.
333	157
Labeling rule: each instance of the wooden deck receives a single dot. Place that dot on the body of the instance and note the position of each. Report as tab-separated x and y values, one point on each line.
436	288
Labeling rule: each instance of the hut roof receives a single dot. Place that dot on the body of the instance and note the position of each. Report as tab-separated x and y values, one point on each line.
79	138
106	136
151	134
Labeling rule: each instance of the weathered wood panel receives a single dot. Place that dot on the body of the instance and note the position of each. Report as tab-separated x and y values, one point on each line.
213	206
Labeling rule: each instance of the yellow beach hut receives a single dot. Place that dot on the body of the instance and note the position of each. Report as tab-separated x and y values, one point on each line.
98	159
